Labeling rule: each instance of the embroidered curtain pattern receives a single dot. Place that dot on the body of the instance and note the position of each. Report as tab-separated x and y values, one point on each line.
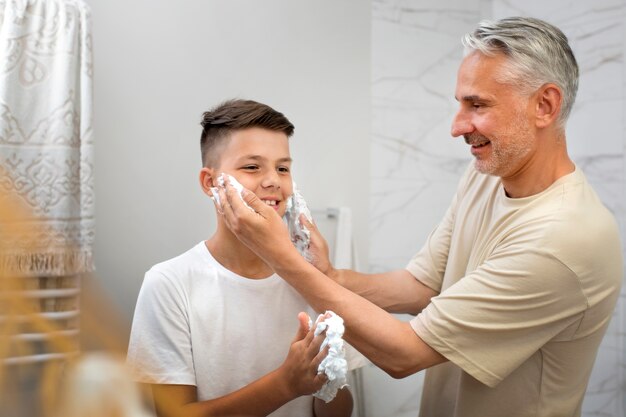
46	140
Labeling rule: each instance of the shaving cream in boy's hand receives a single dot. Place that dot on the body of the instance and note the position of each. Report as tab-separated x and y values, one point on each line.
299	234
334	364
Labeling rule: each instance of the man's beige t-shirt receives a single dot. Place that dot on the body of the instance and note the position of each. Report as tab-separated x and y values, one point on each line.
527	288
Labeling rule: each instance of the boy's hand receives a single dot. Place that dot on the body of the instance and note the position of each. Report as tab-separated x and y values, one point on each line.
300	366
261	229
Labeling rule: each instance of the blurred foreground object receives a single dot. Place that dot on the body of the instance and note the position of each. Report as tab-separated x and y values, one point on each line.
41	348
98	385
47	222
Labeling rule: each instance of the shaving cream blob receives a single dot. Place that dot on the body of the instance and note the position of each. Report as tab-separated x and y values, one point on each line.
299	234
232	181
334	364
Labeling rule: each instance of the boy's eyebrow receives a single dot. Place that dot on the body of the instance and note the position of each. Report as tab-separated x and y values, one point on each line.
260	158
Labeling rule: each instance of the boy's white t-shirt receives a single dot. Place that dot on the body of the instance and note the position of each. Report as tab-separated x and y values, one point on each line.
197	323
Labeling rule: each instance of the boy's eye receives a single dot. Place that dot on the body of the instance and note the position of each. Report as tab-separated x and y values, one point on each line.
250	167
283	169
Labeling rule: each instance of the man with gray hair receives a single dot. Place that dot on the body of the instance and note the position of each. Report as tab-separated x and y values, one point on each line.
514	289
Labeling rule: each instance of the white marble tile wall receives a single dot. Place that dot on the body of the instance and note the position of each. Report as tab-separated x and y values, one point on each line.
415	164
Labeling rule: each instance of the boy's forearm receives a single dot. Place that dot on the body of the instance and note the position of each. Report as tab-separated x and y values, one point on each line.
340	406
259	398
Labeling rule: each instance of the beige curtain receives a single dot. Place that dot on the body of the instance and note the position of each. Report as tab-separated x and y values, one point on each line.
46	141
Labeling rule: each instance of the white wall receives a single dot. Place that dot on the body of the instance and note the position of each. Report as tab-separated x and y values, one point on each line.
159	64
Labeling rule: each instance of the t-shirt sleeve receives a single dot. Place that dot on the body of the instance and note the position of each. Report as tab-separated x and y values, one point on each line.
429	264
159	350
497	316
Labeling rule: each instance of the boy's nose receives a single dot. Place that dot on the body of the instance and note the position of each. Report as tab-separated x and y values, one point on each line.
271	179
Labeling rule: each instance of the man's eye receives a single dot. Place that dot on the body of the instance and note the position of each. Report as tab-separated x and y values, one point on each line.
283	169
250	167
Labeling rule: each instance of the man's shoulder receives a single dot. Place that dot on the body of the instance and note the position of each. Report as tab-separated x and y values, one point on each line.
572	224
574	210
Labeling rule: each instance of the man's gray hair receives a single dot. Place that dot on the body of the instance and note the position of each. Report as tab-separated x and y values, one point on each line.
538	53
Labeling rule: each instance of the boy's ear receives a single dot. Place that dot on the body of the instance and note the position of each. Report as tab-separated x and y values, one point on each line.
207	180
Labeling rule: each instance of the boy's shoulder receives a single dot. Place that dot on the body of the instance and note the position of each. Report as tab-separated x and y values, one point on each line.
188	264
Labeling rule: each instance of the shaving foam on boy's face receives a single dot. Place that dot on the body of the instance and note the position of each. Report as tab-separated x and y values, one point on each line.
295	207
274	197
279	204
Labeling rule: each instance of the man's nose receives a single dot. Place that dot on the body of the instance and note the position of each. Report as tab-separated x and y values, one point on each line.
461	124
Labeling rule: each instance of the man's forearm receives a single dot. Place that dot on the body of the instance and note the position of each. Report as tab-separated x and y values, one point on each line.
389	343
386	341
395	291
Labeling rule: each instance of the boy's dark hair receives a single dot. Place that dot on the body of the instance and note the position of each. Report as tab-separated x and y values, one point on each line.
232	115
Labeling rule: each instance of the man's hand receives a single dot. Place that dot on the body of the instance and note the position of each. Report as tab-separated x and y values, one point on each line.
261	229
318	248
300	367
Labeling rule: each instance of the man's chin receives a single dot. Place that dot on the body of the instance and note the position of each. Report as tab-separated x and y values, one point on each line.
484	168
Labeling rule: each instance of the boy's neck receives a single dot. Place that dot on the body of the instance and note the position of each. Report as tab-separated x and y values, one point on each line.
235	256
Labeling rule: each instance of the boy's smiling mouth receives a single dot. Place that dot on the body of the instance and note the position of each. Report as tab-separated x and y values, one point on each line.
271	202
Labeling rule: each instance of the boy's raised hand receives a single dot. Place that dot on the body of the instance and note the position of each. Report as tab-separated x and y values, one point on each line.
300	367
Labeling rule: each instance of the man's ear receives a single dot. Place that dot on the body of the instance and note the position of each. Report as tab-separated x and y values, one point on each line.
548	105
207	180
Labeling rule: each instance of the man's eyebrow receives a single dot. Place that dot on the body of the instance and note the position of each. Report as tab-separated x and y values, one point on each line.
472	97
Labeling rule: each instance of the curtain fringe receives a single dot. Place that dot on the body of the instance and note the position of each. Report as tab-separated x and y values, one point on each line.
47	264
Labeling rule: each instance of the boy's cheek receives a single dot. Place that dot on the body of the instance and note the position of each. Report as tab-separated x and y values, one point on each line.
241	179
247	183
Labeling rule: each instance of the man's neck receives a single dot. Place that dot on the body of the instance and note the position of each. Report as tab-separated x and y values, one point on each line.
235	256
550	163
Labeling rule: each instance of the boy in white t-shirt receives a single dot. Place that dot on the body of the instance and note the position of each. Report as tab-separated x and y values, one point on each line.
213	327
